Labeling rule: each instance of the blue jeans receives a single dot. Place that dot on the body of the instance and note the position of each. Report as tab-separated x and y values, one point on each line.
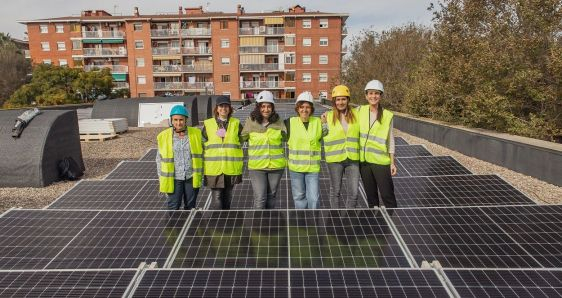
305	190
350	170
265	185
183	190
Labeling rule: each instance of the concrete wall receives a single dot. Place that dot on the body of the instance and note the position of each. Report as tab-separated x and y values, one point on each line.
536	158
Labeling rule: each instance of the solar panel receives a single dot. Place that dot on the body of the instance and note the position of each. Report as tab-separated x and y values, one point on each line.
213	283
538	229
243	196
235	239
400	141
122	239
150	155
478	190
30	239
411	151
418	192
134	170
342	239
429	166
65	283
459	237
366	283
324	190
506	283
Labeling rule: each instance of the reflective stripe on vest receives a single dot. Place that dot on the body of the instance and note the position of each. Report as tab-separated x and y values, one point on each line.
265	150
372	140
339	145
166	152
223	155
304	145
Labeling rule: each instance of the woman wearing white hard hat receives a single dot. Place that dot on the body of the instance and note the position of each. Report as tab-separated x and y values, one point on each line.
180	160
265	132
304	133
376	142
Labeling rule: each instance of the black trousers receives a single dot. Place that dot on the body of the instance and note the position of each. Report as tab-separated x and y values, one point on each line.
377	178
222	197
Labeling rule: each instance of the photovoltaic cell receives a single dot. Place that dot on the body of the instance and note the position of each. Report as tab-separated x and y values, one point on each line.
411	151
214	283
400	141
150	155
418	192
506	283
134	170
366	283
430	166
243	196
122	239
459	237
75	283
350	238
235	239
324	191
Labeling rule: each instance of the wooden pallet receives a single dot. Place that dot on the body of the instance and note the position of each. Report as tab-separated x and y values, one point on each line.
99	137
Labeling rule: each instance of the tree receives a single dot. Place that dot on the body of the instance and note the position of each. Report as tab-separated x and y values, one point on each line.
94	84
14	66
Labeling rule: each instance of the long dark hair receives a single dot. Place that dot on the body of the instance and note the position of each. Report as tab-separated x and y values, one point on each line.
255	115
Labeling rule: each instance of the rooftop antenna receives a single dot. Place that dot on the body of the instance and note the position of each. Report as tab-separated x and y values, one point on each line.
115	9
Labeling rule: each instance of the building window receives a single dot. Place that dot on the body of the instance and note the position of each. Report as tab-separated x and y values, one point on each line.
323	41
290	77
63	62
45	46
224	25
225	78
43	29
307	23
141	80
306	77
289	58
323	77
78	62
290	40
59	28
137	26
290	23
61	46
323	59
75	27
306	42
76	44
226	94
225	43
306	59
140	62
139	44
225	60
323	23
46	61
143	95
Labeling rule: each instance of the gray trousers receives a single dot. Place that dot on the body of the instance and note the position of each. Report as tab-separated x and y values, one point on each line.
265	185
337	170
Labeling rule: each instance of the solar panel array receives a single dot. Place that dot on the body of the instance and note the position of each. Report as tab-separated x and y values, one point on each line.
115	238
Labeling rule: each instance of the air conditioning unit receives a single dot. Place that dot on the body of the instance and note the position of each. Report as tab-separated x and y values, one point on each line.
210	58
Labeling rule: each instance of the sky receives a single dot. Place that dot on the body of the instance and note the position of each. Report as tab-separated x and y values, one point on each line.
375	15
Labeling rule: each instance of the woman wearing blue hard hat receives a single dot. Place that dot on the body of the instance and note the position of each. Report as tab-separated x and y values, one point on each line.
223	153
180	160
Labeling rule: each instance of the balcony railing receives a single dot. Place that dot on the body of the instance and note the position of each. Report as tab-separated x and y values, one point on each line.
182	68
196	32
103	34
262	30
261	49
183	86
165	33
120	85
259	67
197	51
112	68
261	84
166	51
93	52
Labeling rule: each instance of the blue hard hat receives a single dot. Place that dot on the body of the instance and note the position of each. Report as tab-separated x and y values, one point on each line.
179	110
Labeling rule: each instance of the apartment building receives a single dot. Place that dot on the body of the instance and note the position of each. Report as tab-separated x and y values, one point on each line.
197	52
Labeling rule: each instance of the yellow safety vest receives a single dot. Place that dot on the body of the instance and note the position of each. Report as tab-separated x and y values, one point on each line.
265	150
339	145
372	140
304	145
223	155
166	151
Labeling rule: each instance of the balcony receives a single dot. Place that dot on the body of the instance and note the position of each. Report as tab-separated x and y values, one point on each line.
182	68
260	67
197	51
120	85
112	68
183	86
155	33
166	51
195	32
110	52
103	34
262	84
261	49
262	30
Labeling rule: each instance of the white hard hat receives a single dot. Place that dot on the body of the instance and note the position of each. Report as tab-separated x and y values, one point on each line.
265	96
374	85
305	96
